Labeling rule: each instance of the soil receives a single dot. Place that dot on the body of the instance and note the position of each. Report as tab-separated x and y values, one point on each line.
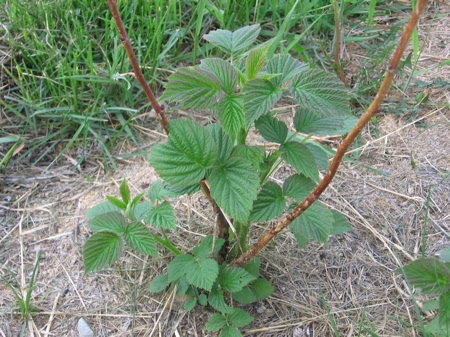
349	285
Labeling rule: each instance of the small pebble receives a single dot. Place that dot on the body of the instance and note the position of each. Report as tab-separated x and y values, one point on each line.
83	329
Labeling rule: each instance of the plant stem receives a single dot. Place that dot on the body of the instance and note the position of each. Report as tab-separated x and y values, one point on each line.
337	42
372	110
166	243
134	63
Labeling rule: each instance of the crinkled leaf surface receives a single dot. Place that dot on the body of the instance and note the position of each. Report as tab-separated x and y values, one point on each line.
138	237
222	139
430	275
103	207
254	153
233	41
272	129
284	65
233	279
216	322
239	318
340	225
185	157
193	87
158	284
262	288
320	156
178	267
316	222
234	186
255	61
230	331
101	250
444	311
231	114
300	158
225	72
269	203
202	273
307	121
162	215
216	300
321	92
110	221
142	210
260	96
205	248
159	191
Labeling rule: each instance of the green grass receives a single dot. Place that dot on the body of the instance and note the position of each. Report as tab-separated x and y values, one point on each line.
65	57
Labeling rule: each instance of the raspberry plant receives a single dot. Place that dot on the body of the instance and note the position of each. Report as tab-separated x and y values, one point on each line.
240	89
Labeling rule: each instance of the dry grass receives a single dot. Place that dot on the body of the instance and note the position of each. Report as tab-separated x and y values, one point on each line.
351	282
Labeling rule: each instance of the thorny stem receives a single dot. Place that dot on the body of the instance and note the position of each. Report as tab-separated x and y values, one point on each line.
134	63
372	110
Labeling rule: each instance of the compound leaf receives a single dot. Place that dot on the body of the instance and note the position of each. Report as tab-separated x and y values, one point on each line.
159	191
125	192
193	87
231	114
233	41
202	273
262	288
300	157
255	61
316	222
340	225
269	203
185	157
225	72
284	65
245	296
117	202
233	279
254	153
101	250
307	121
162	215
234	186
320	156
142	210
259	97
205	248
190	304
103	207
428	274
272	129
158	284
111	222
216	322
321	92
230	331
138	237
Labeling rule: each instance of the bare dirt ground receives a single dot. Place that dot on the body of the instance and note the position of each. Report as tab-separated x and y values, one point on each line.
350	283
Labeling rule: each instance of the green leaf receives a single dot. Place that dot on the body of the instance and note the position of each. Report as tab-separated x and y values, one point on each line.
223	141
253	153
444	255
435	327
272	129
225	72
431	305
183	287
159	191
428	274
255	61
253	266
137	199
298	186
101	250
194	88
205	249
178	267
162	216
117	202
260	96
231	114
234	186
190	304
202	273
444	311
103	207
230	331
125	192
284	65
233	41
320	156
233	279
158	284
309	122
269	203
215	299
340	225
182	190
315	222
300	158
138	237
111	222
262	289
321	92
185	157
202	299
142	210
216	322
240	318
245	296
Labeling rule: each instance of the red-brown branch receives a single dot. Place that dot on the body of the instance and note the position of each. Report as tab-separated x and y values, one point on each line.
365	118
134	63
